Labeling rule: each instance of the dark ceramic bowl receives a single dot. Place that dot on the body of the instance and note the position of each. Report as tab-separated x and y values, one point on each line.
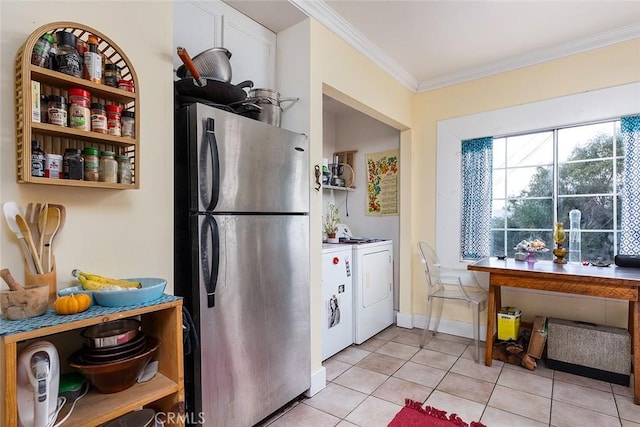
116	354
137	342
115	376
111	334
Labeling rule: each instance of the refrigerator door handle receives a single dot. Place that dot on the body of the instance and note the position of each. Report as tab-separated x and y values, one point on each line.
211	228
215	163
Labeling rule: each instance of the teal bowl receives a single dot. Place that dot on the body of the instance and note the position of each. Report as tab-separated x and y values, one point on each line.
152	289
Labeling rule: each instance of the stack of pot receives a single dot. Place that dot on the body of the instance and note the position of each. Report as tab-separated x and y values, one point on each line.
264	105
207	76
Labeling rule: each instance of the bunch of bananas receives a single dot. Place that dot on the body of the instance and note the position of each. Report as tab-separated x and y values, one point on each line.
93	282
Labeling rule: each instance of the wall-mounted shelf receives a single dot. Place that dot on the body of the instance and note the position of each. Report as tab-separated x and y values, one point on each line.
334	187
56	139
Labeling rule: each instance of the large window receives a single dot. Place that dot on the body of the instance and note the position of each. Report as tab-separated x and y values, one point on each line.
540	177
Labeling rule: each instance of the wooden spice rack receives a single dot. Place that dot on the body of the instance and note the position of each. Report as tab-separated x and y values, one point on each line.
55	139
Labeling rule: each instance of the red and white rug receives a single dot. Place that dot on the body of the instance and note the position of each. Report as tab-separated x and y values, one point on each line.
414	415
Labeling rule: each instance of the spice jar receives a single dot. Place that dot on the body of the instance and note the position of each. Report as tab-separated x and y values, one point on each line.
79	113
52	58
124	169
125	85
93	61
114	127
108	167
57	110
128	124
52	165
37	159
91	164
67	57
44	109
111	75
73	164
98	118
40	54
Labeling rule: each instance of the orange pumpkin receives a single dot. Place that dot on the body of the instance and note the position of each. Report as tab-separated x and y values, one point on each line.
71	304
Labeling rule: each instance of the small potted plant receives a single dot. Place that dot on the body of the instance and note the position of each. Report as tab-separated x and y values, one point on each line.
331	221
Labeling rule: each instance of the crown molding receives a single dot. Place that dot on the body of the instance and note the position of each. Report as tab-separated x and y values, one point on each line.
585	44
324	14
318	10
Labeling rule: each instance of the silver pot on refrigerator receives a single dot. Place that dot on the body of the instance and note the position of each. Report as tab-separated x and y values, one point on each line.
269	105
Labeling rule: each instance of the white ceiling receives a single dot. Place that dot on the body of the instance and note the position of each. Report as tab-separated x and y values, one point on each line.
426	44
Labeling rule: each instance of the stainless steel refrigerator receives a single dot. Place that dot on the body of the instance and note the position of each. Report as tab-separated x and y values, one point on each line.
242	263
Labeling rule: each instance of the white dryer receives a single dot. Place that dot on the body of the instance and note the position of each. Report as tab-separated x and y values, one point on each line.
372	288
337	299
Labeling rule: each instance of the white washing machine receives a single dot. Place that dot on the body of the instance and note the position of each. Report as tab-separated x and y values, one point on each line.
337	299
372	288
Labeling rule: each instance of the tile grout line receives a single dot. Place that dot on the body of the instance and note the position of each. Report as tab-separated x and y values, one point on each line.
503	369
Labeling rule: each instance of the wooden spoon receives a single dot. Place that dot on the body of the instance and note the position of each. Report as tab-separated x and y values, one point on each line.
63	213
31	215
11	211
52	226
24	228
42	225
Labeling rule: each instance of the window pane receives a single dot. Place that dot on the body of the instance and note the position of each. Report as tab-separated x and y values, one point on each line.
530	182
597	211
619	147
585	142
497	243
619	214
499	152
620	169
566	205
530	213
498	214
586	177
530	150
597	244
498	184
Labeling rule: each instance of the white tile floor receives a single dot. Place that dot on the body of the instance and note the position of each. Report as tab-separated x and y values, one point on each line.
367	385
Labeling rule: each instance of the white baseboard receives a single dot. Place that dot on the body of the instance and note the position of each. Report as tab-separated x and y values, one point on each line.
404	320
452	327
318	381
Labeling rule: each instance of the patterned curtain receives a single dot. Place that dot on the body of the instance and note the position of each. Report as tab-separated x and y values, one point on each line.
630	233
476	167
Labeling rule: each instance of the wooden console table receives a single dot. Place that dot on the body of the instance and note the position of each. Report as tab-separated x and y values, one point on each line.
607	282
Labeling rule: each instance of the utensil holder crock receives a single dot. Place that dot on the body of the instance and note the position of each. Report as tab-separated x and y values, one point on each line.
49	279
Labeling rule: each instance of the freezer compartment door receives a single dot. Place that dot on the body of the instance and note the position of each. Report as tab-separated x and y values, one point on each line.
248	166
255	339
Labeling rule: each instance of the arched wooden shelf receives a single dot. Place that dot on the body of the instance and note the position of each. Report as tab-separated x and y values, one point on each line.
55	139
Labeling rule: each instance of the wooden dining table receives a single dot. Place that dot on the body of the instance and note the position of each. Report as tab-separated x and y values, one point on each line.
611	282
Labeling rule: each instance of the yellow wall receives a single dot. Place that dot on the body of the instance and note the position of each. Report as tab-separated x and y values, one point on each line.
113	232
606	67
341	72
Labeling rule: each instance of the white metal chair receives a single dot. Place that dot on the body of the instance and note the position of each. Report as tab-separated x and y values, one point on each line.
473	294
